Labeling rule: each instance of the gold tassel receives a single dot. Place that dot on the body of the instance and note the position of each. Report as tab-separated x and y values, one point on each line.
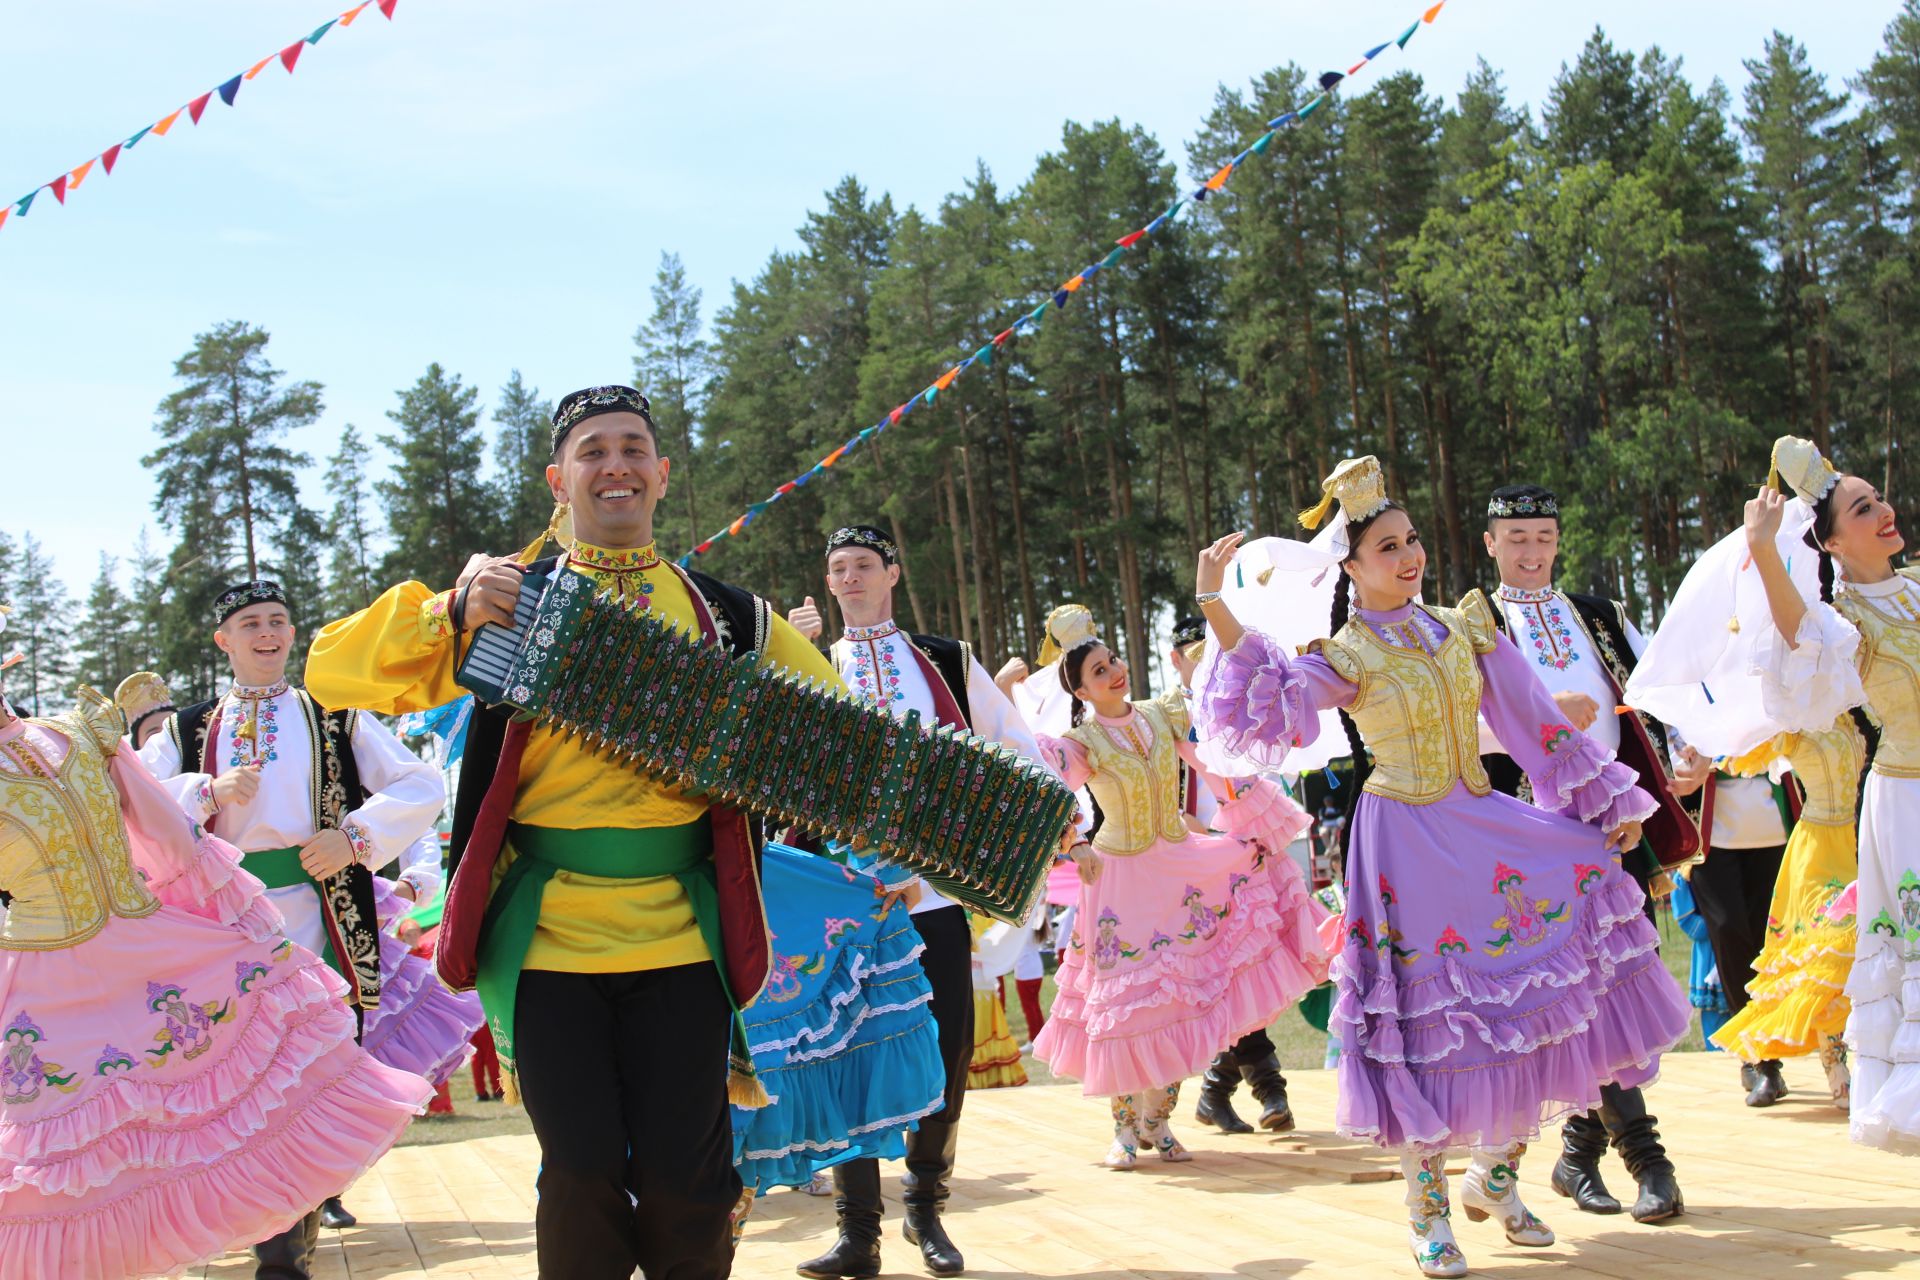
1312	516
510	1087
559	529
745	1090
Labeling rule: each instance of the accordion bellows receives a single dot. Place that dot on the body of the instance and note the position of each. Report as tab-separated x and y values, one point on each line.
979	822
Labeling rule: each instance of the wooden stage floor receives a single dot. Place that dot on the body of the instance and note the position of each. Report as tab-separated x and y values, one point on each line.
1777	1193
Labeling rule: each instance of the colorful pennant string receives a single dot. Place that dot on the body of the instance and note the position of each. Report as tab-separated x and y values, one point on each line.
227	90
1064	292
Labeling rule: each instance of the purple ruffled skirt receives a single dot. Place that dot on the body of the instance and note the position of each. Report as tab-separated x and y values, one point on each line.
1496	970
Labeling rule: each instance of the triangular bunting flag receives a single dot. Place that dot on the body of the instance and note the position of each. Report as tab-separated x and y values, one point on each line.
321	30
108	156
59	188
1219	179
1000	338
931	395
258	67
1260	147
1328	79
1375	52
79	175
1356	66
1433	13
162	126
1060	299
1131	239
230	90
1407	35
945	380
1073	285
984	355
346	19
1279	120
1199	193
25	202
136	137
387	7
291	55
3	215
199	105
1312	107
1034	316
1113	257
896	415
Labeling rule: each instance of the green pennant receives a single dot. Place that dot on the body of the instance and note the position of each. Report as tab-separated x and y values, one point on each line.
1113	257
1260	147
1312	107
1407	35
984	355
25	202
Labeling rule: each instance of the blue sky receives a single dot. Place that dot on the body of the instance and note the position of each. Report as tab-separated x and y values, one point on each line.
491	184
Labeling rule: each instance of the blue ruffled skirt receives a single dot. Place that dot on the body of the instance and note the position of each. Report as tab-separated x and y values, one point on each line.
843	1037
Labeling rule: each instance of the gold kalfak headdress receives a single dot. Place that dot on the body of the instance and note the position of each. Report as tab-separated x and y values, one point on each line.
1066	626
1799	463
1357	485
140	693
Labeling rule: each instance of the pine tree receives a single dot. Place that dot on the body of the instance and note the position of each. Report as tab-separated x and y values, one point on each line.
223	458
104	647
673	364
350	583
146	605
297	565
39	628
522	448
437	507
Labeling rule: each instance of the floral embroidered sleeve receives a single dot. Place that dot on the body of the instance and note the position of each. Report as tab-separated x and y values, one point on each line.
184	866
1259	704
1571	773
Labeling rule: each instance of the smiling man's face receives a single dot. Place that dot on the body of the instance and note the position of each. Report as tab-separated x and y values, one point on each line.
610	470
257	641
1525	551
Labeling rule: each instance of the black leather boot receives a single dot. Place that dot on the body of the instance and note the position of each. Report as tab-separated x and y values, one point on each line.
1624	1112
856	1201
1270	1087
1583	1140
1216	1097
930	1153
1769	1084
289	1255
334	1214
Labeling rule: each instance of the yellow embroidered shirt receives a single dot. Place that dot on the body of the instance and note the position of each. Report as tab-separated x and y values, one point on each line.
398	655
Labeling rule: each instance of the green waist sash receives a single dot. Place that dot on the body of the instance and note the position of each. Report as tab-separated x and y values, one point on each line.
281	869
513	913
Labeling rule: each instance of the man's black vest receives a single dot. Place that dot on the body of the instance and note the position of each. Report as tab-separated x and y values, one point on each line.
954	661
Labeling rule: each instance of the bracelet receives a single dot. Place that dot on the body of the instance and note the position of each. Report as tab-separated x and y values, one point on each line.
1205	598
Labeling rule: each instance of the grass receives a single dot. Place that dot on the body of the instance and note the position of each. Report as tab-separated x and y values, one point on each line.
470	1118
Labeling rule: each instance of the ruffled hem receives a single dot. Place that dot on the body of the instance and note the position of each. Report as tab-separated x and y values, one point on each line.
1167	1021
421	1026
213	886
1588	784
1617	1012
1252	701
996	1058
1264	812
134	1121
192	1211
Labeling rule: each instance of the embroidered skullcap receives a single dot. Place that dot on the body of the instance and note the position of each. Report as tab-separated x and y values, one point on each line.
1357	485
140	697
577	406
242	594
1523	502
1799	464
865	535
1189	631
1067	626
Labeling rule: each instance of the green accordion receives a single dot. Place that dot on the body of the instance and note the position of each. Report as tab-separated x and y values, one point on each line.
979	822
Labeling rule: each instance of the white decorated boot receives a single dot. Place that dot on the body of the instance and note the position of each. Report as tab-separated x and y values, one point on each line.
1125	1151
1430	1231
1492	1190
1155	1131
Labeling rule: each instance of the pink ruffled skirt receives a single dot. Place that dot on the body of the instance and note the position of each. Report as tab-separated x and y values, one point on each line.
1176	953
1496	969
174	1090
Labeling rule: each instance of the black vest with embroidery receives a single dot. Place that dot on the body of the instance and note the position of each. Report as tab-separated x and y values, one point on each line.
742	621
347	908
954	661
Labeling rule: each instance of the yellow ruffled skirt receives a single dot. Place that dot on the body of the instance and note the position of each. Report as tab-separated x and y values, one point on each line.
996	1058
1798	1002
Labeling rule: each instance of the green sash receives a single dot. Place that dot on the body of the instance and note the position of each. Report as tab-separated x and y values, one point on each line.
281	869
683	852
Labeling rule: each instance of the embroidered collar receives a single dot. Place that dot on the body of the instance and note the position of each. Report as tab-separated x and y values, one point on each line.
610	561
259	693
1523	595
878	631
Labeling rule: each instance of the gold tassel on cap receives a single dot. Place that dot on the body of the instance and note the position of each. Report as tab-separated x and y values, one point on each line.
1312	516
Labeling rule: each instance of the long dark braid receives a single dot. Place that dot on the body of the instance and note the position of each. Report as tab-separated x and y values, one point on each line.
1816	538
1362	762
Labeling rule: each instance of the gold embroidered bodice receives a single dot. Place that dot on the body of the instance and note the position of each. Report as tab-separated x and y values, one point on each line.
1137	785
63	848
1828	764
1418	712
1890	670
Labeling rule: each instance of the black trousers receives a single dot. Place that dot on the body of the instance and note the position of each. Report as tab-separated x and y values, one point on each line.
1733	889
948	961
624	1076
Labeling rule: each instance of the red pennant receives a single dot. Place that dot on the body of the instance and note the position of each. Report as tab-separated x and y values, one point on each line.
1000	338
895	415
108	156
1132	239
4	213
199	105
387	6
291	55
59	188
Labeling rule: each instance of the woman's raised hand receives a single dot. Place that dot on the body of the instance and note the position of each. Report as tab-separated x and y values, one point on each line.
1212	574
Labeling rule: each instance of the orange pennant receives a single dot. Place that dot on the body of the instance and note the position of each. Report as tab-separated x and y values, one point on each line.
1219	179
945	380
346	19
258	67
1432	13
74	178
167	124
4	214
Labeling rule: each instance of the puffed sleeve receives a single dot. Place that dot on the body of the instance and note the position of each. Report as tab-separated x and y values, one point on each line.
397	654
1806	686
1259	704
